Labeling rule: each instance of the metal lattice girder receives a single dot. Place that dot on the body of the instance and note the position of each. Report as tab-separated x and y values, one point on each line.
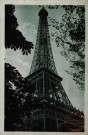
48	85
43	56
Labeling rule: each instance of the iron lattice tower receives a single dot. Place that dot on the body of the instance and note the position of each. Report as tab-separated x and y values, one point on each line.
43	61
52	103
43	56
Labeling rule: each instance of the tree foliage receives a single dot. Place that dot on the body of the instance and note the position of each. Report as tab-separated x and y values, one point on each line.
17	89
70	36
18	100
13	37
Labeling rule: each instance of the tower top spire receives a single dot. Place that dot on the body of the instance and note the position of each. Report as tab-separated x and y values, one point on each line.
43	13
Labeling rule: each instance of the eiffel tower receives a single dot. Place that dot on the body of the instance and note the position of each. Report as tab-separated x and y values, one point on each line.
52	103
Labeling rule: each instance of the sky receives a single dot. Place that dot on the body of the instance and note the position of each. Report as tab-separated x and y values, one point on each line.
27	17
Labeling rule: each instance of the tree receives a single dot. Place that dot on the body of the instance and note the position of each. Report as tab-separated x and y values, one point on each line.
17	89
18	100
13	37
70	36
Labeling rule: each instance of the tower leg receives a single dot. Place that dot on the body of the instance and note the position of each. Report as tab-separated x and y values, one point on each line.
44	121
44	124
57	124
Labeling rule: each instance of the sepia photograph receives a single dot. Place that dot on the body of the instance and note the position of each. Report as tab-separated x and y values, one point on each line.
44	68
